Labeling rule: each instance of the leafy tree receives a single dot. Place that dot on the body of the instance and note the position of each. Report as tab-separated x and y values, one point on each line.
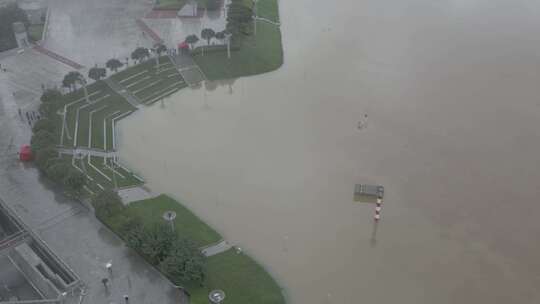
107	203
41	140
43	156
71	79
185	263
74	180
208	34
191	40
51	96
133	231
114	64
157	241
44	124
220	36
58	169
140	54
96	73
239	16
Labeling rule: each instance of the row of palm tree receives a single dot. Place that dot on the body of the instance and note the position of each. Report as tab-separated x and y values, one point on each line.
206	34
73	79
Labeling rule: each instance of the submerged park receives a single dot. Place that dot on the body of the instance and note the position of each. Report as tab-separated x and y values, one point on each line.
75	144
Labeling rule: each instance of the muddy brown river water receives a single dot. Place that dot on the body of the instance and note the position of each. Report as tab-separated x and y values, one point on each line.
452	93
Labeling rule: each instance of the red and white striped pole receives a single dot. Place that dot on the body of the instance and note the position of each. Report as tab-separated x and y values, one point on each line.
378	208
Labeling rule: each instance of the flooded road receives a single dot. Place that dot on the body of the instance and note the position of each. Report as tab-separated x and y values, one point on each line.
452	96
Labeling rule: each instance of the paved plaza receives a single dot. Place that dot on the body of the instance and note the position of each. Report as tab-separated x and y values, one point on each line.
87	32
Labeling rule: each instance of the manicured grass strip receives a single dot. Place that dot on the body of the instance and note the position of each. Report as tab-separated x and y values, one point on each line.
243	280
186	223
268	9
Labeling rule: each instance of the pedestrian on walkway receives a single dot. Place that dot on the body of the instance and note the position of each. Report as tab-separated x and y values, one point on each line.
105	281
126	299
109	268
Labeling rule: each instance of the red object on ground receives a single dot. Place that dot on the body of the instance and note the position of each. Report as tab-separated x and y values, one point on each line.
25	153
183	45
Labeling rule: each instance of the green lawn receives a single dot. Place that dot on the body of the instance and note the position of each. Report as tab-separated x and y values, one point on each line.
35	32
268	9
257	54
243	280
186	223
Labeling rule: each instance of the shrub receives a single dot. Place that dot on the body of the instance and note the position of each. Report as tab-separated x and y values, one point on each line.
74	181
44	124
133	232
156	242
42	139
184	263
43	157
51	96
58	170
107	204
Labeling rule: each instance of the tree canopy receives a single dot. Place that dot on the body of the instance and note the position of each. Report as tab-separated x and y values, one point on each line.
191	40
184	263
208	34
96	73
114	64
140	53
107	203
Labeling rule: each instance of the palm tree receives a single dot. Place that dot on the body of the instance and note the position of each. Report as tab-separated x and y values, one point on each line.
70	80
159	48
96	73
208	34
191	40
114	64
220	36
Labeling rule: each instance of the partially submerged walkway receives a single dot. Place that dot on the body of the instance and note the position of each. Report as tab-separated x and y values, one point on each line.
216	248
119	89
188	68
85	151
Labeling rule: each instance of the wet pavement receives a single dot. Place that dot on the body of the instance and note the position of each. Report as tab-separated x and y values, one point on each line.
67	226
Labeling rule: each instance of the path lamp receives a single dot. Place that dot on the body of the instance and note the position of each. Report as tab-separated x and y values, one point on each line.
216	296
169	216
255	16
228	38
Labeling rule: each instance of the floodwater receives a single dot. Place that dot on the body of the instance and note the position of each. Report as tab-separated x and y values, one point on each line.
451	90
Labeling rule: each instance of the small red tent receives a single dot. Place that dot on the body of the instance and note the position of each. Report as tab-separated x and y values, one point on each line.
25	153
183	45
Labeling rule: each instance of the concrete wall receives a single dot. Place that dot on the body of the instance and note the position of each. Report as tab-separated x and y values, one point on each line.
36	271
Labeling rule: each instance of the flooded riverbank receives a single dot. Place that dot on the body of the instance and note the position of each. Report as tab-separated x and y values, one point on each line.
450	90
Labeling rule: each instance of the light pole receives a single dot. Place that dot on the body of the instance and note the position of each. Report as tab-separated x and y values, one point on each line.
255	17
169	216
216	296
228	37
